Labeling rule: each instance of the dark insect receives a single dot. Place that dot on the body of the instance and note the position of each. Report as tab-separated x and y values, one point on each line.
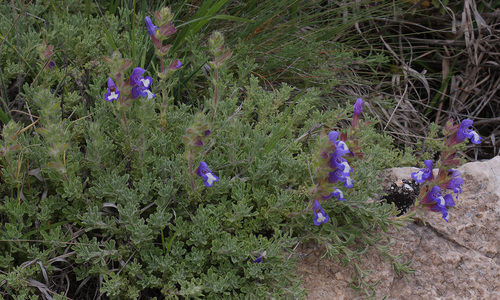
403	194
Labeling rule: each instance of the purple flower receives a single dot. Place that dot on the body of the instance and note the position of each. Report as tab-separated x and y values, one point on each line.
258	260
463	133
151	27
339	175
140	84
113	93
442	210
341	163
338	193
140	91
435	196
347	182
136	77
358	107
455	183
204	172
423	174
436	202
175	65
320	216
51	64
332	136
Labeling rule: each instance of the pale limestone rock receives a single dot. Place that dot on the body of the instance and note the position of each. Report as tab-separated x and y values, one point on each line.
455	260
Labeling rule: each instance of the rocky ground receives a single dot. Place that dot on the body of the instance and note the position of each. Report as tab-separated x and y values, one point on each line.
455	260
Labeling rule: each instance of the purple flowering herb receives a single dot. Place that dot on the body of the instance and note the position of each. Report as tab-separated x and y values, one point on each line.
423	174
358	107
204	172
51	64
258	260
151	27
464	133
320	216
113	93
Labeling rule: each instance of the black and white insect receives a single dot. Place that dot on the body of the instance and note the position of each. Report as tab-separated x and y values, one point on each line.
403	194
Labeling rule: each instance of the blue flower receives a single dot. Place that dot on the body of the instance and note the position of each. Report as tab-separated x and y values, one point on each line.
204	172
341	163
113	93
320	216
151	27
423	174
339	194
358	107
140	91
463	133
436	202
442	210
258	260
140	84
434	196
332	136
136	76
455	182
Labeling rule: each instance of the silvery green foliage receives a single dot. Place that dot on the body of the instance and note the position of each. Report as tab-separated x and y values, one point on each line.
105	205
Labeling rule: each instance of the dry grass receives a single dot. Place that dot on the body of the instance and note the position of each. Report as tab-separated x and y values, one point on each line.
447	63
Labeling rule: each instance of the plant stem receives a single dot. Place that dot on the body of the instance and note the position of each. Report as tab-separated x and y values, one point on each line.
125	121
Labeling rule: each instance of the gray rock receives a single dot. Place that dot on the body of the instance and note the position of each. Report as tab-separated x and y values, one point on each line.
455	260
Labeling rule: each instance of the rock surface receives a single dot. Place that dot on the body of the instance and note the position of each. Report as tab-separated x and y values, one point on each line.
455	260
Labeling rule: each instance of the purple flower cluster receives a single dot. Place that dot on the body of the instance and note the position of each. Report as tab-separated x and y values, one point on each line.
140	86
433	200
447	178
341	169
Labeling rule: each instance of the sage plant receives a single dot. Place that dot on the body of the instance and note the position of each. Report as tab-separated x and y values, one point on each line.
431	195
332	168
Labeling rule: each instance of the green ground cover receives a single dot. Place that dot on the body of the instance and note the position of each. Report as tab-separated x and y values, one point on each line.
113	199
